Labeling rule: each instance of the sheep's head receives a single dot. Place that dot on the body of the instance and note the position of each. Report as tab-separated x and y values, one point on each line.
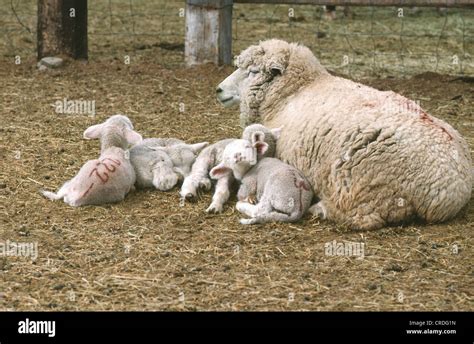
116	131
273	67
239	156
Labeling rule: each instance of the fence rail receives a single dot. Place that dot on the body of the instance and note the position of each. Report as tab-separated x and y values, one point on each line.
373	40
404	3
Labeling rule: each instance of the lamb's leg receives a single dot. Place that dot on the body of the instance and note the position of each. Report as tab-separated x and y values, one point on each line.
247	208
221	194
198	178
164	182
272	216
262	213
58	195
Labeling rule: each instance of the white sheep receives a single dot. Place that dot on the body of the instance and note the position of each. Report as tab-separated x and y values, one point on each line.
282	193
109	178
372	157
161	163
212	156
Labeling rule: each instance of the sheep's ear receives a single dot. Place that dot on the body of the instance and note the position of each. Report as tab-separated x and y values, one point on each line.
197	147
261	147
93	132
132	137
276	132
258	136
219	171
276	70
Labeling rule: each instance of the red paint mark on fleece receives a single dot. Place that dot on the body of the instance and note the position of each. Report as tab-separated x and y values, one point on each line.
87	191
111	166
427	118
301	185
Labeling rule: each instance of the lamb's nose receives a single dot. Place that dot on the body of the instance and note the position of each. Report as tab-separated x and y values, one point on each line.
218	89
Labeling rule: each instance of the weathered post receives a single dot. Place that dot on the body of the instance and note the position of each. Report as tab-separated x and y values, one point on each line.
62	28
208	32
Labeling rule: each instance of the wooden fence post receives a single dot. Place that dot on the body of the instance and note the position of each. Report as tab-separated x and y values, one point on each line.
62	28
208	32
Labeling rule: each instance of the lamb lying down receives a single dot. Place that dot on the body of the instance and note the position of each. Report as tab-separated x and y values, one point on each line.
109	178
162	163
211	156
281	191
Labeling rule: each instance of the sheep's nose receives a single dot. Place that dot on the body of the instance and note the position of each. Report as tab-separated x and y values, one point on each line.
218	90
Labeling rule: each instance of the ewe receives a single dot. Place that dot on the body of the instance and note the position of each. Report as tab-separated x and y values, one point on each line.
373	158
109	178
212	156
161	163
282	193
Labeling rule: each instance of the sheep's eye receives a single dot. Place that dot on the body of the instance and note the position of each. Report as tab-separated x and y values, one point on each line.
253	71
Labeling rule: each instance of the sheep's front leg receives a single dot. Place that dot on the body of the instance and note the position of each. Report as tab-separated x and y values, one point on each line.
221	194
198	178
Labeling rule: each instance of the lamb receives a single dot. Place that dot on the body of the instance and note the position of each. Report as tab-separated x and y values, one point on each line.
109	178
282	193
212	156
373	158
162	163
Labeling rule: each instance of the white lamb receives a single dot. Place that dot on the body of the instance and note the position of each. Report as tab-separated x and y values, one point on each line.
162	163
210	157
109	178
281	191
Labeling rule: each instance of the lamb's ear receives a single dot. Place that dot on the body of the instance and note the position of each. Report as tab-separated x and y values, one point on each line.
258	136
261	147
93	132
276	132
197	147
219	171
132	137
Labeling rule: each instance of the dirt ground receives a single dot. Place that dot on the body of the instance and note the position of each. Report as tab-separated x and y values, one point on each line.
148	253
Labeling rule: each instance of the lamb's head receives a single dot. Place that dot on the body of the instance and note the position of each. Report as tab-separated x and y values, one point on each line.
116	131
266	74
270	136
183	156
239	156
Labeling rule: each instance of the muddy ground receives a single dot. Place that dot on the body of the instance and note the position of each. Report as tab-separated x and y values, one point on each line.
148	253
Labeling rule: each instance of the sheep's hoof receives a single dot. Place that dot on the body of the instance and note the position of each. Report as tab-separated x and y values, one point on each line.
205	184
252	199
190	197
214	209
318	210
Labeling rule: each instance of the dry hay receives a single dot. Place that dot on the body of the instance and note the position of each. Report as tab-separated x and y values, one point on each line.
148	253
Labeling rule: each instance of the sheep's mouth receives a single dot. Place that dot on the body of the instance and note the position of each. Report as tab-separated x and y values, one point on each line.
223	101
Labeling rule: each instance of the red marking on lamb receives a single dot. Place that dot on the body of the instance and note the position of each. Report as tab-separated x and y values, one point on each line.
102	175
300	184
427	118
87	191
